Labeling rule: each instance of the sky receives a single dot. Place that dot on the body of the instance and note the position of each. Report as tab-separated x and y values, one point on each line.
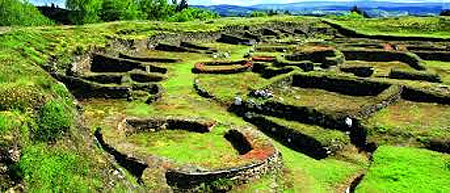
254	2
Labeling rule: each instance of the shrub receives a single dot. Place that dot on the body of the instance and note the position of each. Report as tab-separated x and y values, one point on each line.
445	12
54	119
113	10
9	121
84	11
358	11
190	14
19	96
156	9
45	168
90	11
258	14
20	12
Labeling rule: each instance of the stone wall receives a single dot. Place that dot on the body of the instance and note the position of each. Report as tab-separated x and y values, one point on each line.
384	99
135	166
196	181
295	113
104	78
427	47
263	58
239	141
385	56
172	48
327	57
423	95
142	77
222	67
196	47
136	125
102	63
271	72
290	137
304	65
361	71
434	55
341	85
202	91
230	39
439	145
352	33
267	159
409	75
177	38
147	59
83	89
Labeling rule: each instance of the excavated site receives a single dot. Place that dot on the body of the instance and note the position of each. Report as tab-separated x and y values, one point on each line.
222	111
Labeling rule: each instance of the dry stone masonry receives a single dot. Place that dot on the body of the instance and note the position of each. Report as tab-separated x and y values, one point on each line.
290	58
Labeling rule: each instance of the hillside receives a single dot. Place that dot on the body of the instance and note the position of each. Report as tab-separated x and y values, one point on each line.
319	8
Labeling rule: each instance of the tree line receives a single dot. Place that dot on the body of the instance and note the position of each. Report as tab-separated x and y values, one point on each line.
90	11
21	12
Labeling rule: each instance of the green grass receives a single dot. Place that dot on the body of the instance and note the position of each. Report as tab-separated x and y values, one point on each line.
401	26
441	68
404	169
408	122
45	168
266	184
55	119
304	174
382	69
329	101
307	175
226	87
209	150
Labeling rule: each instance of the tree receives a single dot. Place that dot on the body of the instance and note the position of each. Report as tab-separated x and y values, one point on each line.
84	11
183	5
272	12
258	14
19	12
445	12
89	11
287	12
190	14
113	10
156	9
356	9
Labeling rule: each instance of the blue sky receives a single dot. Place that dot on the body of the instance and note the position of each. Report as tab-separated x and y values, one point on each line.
253	2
